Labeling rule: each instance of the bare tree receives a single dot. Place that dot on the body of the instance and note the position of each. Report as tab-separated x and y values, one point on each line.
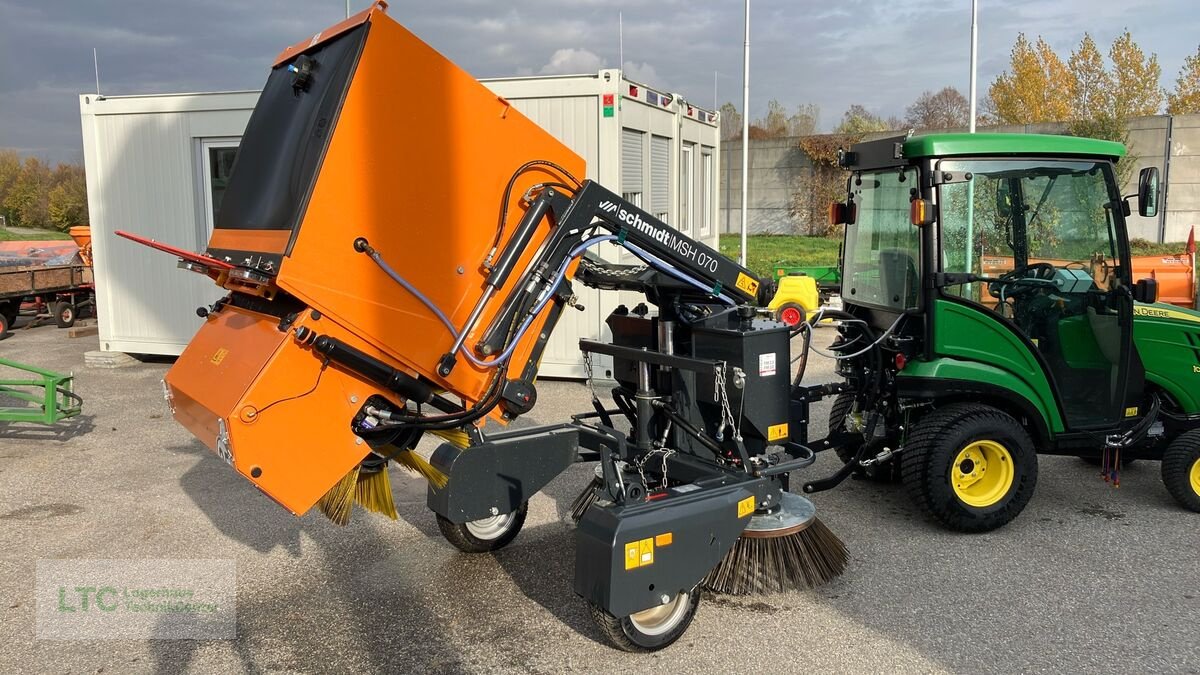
943	109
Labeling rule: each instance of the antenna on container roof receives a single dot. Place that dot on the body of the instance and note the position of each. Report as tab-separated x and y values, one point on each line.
96	65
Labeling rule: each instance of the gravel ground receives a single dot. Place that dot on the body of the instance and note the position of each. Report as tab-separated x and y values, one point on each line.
1087	579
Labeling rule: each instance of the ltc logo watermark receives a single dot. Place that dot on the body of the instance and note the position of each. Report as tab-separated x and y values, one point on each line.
139	599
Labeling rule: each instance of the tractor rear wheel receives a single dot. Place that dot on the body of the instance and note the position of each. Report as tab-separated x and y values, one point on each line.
970	466
652	629
1181	470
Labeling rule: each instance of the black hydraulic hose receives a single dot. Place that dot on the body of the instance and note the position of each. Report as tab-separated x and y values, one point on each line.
688	428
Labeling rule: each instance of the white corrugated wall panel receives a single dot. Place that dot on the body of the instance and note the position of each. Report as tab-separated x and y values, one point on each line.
660	177
142	170
575	122
633	161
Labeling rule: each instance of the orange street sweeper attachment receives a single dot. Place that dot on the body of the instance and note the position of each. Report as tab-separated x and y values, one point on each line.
378	293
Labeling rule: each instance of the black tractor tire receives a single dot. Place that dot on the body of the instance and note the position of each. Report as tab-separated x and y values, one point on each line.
791	314
5	324
941	447
888	472
629	634
65	314
1181	470
486	534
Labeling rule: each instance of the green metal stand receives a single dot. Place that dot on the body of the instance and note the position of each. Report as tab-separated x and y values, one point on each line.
49	392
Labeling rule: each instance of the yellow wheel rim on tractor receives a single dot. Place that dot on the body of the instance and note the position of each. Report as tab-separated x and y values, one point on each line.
1196	476
983	474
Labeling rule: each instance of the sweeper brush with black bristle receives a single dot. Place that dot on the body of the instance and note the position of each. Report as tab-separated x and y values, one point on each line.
784	551
586	498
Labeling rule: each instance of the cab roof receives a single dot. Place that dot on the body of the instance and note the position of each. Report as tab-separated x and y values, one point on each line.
952	145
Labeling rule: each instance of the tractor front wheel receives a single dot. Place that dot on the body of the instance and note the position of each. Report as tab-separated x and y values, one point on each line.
970	466
651	629
1181	470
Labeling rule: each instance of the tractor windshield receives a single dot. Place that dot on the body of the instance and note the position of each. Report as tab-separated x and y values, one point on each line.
882	247
999	216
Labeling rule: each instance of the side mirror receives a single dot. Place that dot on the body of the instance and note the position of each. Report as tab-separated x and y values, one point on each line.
1145	291
920	212
1148	192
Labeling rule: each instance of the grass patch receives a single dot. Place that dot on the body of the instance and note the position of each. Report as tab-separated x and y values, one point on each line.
765	251
35	235
768	250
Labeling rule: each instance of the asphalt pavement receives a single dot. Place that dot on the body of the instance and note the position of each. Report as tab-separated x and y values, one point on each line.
1088	579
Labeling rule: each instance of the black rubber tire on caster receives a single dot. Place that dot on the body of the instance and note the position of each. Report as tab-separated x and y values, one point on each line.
791	314
486	534
1181	470
65	314
945	467
650	630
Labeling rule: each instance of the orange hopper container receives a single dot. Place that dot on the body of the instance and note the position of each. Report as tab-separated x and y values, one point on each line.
82	234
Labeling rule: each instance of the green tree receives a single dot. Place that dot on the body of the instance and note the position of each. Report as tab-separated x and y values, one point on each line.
1037	87
10	170
27	198
1185	100
858	121
1135	79
1091	89
67	201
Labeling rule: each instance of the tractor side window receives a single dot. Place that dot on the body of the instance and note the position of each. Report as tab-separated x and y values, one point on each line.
882	247
1017	215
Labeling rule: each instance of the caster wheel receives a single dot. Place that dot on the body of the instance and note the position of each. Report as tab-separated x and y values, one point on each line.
485	534
652	629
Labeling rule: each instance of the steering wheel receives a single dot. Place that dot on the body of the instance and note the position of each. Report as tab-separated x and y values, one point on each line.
1010	282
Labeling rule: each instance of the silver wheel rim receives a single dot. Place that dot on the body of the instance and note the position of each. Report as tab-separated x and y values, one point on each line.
664	618
489	529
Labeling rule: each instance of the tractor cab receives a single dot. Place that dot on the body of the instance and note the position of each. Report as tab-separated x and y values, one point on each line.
1012	251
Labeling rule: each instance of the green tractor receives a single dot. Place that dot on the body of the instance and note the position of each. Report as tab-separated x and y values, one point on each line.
990	317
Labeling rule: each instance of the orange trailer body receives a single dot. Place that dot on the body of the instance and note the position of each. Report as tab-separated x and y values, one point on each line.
396	145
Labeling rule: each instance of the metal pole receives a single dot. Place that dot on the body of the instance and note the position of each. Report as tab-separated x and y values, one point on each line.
974	59
745	136
970	262
347	9
621	40
96	64
716	103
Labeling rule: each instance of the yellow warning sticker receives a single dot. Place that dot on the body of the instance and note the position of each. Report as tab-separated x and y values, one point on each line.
639	553
747	283
777	432
1131	412
746	507
647	552
632	555
219	356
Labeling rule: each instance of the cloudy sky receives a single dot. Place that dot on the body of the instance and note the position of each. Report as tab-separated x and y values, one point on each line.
831	53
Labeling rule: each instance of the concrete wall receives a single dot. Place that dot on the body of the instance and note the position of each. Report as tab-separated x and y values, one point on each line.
778	168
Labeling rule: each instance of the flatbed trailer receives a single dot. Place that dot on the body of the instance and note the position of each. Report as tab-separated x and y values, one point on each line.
62	288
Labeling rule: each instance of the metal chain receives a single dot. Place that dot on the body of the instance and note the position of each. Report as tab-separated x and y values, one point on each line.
727	419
